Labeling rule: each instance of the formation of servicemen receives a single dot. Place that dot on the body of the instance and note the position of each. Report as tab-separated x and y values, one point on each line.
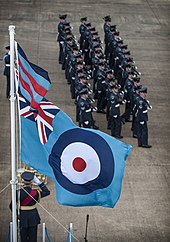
108	77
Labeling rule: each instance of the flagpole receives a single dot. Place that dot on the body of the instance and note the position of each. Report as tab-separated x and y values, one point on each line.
13	131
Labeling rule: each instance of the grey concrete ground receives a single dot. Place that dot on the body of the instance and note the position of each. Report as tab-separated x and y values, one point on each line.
143	211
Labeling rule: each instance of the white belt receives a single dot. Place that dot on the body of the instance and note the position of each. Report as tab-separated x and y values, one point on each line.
7	65
145	111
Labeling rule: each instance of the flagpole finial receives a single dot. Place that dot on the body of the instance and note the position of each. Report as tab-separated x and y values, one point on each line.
11	28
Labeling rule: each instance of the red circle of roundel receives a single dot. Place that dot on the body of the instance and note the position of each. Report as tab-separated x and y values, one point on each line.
82	161
79	164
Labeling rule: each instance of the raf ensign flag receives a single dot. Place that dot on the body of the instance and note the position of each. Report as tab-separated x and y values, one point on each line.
87	165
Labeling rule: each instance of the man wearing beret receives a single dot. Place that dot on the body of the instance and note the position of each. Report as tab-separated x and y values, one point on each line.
29	217
142	117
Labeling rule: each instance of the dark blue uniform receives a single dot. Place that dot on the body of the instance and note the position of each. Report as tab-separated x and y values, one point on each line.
128	96
6	61
82	30
134	128
85	113
106	28
102	89
29	217
114	115
60	39
141	119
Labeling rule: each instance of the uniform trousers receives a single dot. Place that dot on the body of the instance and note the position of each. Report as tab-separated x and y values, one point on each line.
60	59
101	102
116	126
8	86
128	111
28	234
142	134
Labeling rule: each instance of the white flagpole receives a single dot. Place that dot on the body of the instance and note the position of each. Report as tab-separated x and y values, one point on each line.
13	137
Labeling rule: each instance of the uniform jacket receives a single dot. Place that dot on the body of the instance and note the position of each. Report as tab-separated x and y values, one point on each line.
29	218
61	31
114	105
6	61
106	28
102	86
129	90
141	110
85	110
82	28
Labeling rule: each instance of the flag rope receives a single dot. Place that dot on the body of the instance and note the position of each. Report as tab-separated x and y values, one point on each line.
67	230
5	188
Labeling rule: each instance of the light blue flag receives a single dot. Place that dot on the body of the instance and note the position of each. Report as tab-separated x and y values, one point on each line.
87	165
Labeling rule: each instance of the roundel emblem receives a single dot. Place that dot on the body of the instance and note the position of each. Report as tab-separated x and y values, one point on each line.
82	161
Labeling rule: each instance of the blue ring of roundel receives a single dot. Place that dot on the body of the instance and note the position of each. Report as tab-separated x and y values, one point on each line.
103	151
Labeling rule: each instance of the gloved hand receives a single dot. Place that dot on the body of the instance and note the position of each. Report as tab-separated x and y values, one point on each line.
36	180
142	122
86	122
115	116
94	109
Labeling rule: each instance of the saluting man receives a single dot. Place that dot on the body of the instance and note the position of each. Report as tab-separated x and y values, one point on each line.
29	217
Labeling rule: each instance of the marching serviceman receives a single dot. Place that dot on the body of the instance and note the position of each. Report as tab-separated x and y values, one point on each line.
142	117
29	217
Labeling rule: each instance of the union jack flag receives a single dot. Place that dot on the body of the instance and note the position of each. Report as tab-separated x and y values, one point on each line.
43	115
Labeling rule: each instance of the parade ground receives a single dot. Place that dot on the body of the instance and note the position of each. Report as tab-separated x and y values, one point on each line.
143	210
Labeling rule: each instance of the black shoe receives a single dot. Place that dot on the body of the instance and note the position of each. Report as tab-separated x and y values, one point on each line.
123	121
146	146
135	136
128	120
101	111
95	127
117	136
